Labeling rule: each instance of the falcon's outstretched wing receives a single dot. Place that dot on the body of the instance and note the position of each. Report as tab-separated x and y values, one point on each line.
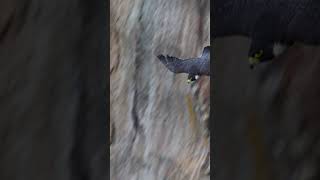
195	66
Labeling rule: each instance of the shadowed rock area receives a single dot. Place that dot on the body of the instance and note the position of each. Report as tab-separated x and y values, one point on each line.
158	121
267	119
53	90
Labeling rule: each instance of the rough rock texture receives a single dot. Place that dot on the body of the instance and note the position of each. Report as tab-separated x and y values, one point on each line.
266	119
158	121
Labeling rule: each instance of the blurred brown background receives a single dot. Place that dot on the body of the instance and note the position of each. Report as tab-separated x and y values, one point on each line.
158	121
266	120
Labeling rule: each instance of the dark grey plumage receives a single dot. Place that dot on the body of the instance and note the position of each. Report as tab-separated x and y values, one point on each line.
193	66
268	22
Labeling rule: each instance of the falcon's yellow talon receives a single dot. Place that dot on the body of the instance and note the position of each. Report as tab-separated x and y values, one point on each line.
253	60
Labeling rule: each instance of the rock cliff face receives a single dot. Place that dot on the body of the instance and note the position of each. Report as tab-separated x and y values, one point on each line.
266	120
158	122
52	90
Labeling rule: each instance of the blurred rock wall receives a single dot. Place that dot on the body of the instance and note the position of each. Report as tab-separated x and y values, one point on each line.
266	120
158	121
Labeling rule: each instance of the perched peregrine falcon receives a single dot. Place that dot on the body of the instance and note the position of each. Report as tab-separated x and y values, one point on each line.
269	24
195	67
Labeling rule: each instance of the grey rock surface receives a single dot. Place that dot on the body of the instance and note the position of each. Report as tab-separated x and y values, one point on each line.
158	122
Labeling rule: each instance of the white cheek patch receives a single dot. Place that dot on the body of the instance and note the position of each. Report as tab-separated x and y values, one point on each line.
196	77
278	49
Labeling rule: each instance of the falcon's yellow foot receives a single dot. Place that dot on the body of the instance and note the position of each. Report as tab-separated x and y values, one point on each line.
192	78
253	61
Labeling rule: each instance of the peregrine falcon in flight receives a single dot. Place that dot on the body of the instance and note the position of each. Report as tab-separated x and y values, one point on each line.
272	25
194	67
